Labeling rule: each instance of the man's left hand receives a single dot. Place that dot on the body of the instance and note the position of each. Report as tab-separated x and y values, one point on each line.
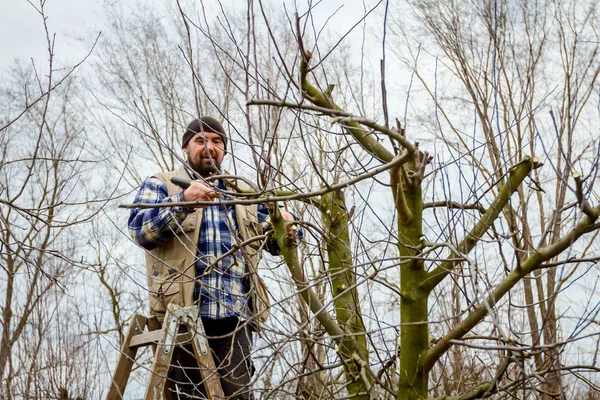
287	216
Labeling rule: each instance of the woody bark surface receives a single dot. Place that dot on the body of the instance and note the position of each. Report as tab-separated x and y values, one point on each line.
416	283
414	329
343	282
406	187
348	347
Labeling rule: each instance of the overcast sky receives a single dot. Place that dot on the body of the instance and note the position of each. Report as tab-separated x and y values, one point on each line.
22	33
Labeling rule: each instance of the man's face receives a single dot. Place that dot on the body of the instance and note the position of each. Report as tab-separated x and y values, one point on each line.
205	152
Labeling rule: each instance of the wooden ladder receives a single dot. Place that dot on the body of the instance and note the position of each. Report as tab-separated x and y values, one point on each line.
163	341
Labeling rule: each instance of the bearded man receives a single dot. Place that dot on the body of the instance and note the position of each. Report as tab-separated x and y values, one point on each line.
194	257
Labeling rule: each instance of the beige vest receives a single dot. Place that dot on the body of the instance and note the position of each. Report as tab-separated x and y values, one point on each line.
171	267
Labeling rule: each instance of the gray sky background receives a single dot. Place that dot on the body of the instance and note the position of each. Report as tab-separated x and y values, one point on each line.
77	22
22	33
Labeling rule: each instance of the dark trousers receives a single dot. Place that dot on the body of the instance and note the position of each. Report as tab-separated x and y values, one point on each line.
231	345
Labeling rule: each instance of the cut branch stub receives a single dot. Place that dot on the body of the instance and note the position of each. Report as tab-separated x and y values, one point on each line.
584	205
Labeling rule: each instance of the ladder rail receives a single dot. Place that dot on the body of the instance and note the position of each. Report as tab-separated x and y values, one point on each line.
126	359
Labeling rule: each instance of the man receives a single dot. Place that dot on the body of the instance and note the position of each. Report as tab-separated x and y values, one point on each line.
193	257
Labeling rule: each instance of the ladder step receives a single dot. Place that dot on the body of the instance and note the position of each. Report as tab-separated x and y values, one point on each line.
154	337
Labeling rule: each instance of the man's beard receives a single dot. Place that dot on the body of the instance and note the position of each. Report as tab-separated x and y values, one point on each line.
205	166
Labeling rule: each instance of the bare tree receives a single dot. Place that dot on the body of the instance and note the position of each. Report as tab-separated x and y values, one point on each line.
496	72
440	249
43	202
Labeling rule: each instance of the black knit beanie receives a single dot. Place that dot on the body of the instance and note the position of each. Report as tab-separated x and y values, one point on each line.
209	124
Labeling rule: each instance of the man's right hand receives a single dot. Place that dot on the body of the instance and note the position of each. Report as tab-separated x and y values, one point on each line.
199	191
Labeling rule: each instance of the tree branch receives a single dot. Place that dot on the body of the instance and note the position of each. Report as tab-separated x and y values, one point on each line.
315	96
455	205
396	161
535	261
517	175
343	339
585	207
344	119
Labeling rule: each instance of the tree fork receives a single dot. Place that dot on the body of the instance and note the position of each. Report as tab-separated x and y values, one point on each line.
533	262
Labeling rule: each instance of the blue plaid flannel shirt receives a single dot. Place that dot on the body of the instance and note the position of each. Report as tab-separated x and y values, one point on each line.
221	287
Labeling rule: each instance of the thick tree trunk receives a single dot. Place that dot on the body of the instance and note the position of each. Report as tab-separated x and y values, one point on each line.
414	329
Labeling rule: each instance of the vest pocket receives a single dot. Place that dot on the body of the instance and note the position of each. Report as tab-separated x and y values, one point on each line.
252	229
189	224
166	286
